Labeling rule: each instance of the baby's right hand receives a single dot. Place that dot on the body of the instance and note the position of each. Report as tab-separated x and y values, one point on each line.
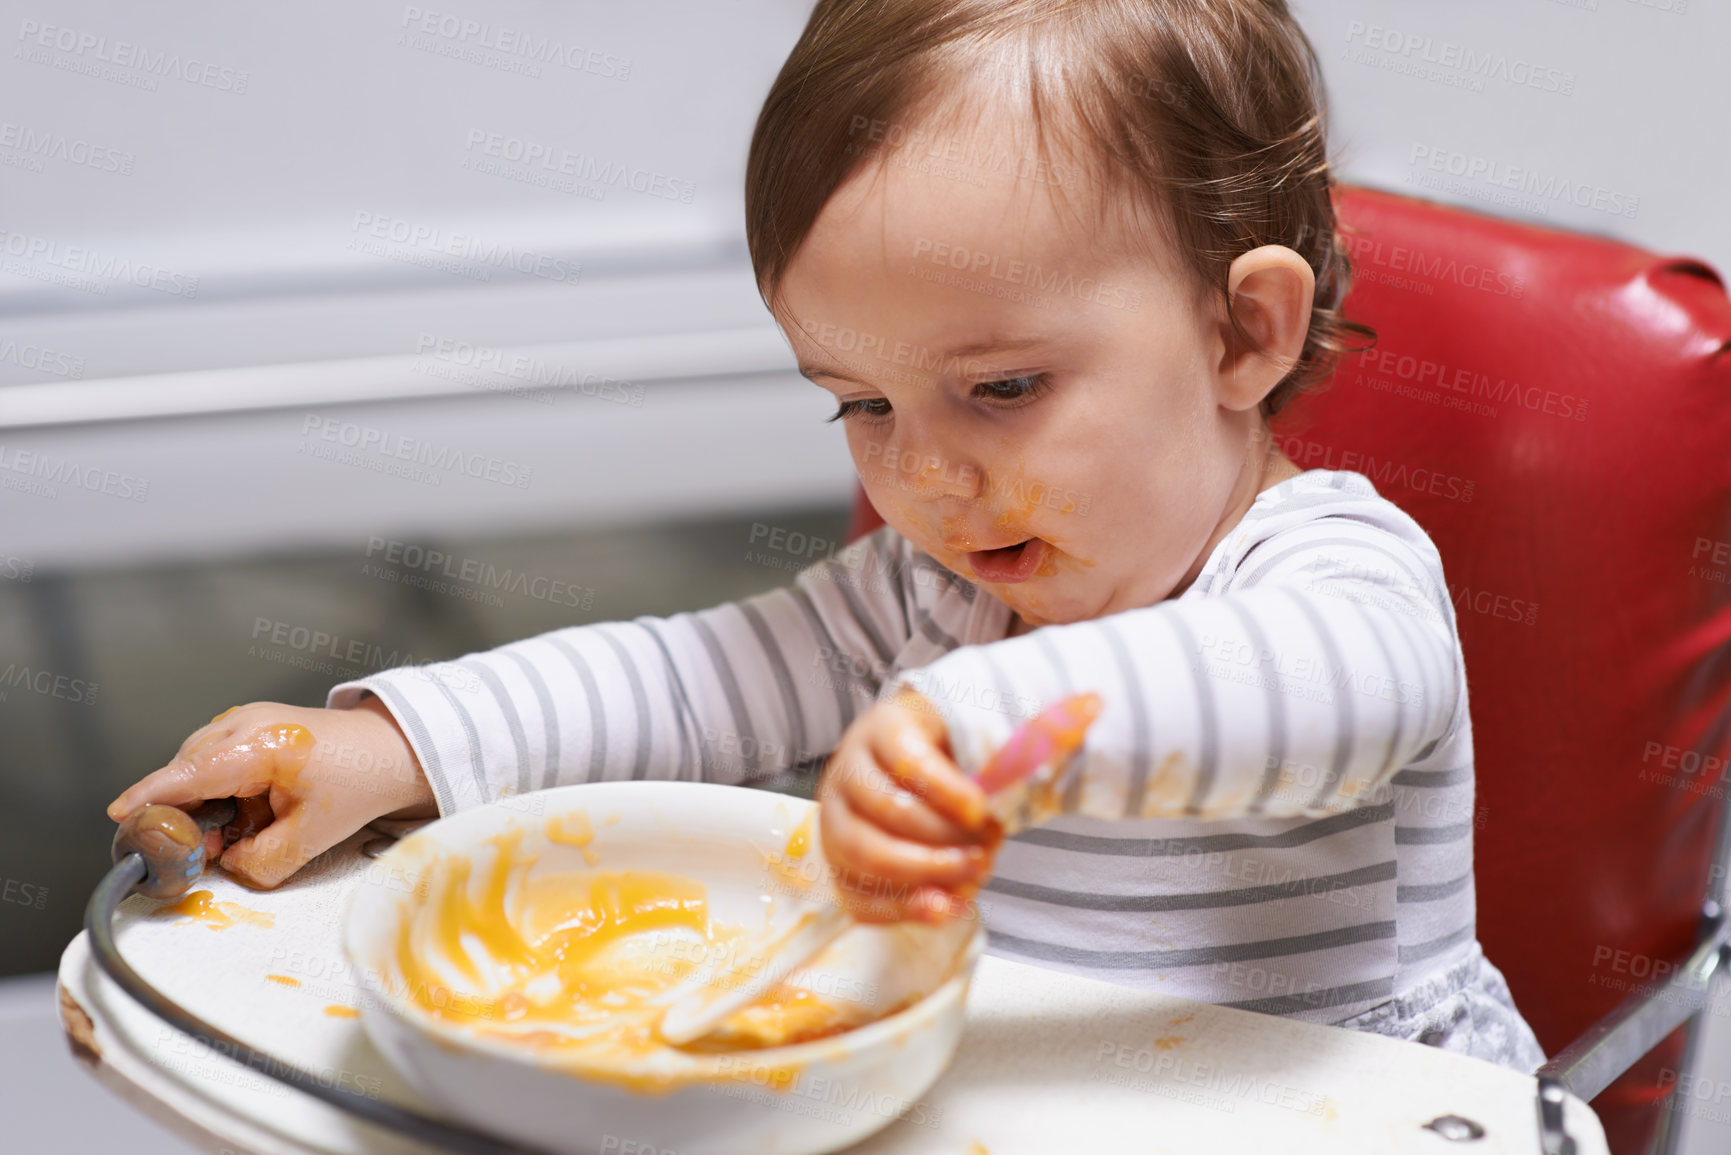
327	774
907	834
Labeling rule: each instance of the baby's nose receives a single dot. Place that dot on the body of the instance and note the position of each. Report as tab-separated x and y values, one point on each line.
939	476
922	471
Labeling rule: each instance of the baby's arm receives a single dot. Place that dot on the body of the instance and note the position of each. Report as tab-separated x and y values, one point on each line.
733	693
728	694
1329	662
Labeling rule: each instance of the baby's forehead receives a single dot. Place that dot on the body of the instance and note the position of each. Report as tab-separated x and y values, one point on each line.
978	177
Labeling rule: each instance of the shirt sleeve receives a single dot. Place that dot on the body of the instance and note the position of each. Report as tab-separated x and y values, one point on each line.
1327	662
734	693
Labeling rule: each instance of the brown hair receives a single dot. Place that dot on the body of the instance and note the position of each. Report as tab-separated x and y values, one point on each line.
1209	113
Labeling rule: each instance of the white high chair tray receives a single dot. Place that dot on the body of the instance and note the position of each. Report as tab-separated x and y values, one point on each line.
1048	1062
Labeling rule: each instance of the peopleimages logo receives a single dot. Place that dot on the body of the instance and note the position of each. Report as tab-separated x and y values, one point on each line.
1384	472
584	168
1523	179
464	246
1465	61
534	372
382	444
517	42
90	262
407	556
1430	268
123	54
973	262
47	683
1424	373
46	467
44	144
39	358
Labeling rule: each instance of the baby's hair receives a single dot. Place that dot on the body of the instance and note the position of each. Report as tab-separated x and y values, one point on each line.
1209	114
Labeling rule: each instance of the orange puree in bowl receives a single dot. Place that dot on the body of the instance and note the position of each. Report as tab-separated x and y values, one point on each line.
800	840
573	829
567	962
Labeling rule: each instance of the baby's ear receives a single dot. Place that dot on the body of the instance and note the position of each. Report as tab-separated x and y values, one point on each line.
1270	290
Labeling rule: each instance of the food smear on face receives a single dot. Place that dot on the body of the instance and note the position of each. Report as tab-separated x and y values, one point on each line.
567	963
201	906
957	536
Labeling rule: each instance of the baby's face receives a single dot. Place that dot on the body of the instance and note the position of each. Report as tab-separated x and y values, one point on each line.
1037	408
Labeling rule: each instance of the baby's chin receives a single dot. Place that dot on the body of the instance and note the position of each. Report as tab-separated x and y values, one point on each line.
1048	614
1049	601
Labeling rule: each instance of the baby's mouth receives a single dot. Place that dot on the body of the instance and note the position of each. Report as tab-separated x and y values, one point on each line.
1010	563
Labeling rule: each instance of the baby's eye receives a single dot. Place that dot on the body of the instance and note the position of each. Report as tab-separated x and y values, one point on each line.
871	407
1014	389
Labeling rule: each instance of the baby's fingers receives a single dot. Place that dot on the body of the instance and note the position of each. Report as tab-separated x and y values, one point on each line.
202	740
266	859
910	755
221	766
189	780
854	845
871	794
927	904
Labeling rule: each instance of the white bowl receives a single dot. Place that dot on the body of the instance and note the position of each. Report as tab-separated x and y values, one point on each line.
793	1100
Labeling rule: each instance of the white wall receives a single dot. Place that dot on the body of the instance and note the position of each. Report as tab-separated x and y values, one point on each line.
257	203
1529	106
197	274
348	109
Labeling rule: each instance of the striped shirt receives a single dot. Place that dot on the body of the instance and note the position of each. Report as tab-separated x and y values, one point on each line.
1274	810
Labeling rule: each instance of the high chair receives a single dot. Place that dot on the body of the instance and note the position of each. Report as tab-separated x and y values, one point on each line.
1554	409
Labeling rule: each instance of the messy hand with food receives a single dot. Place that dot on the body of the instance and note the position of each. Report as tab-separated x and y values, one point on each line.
308	779
907	833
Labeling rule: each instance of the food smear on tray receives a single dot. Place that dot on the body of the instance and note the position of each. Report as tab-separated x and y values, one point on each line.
202	906
568	962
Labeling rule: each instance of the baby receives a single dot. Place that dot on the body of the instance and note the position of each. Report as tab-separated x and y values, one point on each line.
1058	263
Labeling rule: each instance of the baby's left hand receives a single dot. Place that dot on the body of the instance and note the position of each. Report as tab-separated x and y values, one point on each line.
906	830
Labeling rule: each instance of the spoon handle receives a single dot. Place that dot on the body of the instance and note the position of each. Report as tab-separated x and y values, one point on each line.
708	996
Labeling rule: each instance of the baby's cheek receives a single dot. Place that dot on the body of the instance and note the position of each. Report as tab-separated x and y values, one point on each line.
905	517
892	501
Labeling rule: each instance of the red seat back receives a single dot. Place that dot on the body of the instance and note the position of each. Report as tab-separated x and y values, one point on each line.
1555	410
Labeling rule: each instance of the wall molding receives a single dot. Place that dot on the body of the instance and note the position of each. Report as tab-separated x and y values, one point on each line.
457	369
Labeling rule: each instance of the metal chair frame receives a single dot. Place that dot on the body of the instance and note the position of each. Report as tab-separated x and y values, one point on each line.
1646	1017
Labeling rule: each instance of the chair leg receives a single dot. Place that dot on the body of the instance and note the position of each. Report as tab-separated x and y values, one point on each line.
1553	1140
1669	1136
